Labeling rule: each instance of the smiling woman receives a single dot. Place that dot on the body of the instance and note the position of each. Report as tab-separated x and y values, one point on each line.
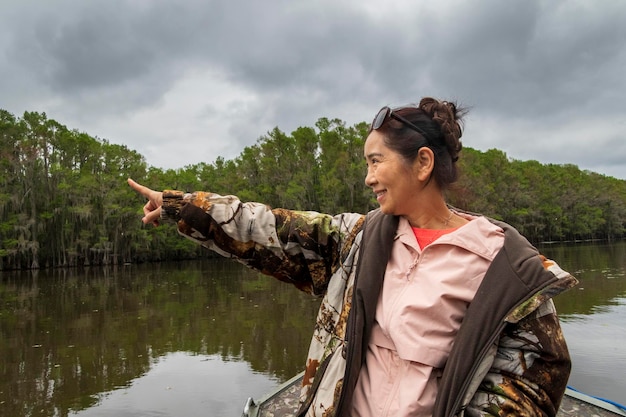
419	298
401	165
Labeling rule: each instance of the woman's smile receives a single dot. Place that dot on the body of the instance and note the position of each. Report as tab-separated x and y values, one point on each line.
390	177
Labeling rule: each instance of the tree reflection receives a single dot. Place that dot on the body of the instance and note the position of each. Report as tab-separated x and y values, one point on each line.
601	270
68	336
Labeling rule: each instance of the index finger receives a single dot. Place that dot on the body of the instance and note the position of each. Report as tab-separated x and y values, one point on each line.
144	191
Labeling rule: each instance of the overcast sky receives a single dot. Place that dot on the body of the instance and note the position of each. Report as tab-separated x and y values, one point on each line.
183	82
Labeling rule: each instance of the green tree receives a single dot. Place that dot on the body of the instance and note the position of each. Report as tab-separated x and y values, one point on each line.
64	199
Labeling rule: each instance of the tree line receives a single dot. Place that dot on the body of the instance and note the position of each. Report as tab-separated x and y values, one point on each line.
64	199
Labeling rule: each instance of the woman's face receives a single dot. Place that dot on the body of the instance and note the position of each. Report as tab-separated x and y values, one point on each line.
393	180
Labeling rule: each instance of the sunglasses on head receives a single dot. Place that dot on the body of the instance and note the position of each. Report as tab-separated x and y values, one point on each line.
386	112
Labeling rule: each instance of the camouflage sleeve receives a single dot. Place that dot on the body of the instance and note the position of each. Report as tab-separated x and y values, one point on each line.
302	248
530	371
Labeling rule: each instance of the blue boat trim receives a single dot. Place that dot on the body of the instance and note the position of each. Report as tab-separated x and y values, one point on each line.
598	401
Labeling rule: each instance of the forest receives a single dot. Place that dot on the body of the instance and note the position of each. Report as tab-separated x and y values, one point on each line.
64	200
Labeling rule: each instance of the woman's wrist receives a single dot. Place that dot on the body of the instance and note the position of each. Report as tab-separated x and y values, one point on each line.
173	201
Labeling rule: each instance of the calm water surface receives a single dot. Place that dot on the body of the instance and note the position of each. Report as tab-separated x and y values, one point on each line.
198	338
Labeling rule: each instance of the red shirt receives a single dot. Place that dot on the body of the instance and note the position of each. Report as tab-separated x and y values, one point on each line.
427	236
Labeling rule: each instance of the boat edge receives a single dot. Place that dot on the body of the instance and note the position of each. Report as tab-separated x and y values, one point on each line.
252	407
598	402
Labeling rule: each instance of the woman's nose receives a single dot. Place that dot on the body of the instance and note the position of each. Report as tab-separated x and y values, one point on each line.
369	178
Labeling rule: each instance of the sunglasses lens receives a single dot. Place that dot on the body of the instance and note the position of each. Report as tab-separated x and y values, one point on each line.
386	112
380	117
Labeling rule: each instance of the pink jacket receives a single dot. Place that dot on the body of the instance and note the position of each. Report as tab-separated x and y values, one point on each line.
423	301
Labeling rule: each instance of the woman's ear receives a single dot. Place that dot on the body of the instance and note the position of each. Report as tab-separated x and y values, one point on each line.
424	163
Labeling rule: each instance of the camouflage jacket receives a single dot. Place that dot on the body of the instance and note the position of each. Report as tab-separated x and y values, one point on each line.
509	357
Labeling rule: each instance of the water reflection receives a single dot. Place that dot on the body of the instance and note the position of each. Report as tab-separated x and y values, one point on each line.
198	338
183	384
66	336
598	352
601	270
593	316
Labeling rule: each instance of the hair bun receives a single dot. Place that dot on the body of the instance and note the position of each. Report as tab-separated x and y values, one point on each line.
447	116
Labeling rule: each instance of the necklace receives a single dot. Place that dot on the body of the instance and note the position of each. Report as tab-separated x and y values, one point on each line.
445	224
427	236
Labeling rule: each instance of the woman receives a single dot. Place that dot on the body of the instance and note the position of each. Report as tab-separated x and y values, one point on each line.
426	310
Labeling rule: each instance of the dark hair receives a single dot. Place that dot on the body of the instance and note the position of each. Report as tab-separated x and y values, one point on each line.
441	121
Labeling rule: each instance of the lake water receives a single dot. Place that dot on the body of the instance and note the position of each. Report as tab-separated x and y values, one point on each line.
198	338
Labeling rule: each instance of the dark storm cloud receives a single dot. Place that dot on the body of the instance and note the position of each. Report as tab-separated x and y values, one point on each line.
535	59
105	47
142	50
530	70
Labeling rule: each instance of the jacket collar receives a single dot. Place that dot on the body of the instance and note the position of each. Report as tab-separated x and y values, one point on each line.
475	236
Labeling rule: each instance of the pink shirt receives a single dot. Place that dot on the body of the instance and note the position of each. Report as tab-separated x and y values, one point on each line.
423	301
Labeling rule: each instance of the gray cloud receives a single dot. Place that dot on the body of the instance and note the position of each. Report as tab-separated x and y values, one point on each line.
182	81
